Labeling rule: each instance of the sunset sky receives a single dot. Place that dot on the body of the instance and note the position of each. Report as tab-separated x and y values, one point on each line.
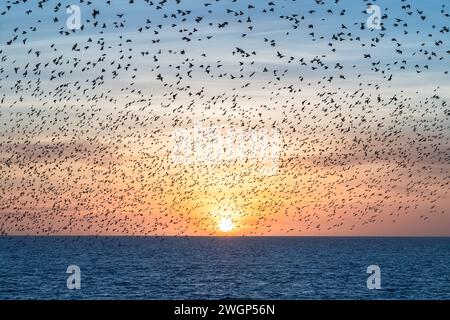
87	130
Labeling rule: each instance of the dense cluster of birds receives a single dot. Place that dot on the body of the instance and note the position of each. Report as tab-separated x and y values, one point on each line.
86	115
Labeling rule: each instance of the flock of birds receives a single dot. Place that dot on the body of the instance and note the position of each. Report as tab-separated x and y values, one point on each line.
86	115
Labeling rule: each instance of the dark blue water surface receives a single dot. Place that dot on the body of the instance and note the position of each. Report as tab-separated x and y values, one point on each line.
224	268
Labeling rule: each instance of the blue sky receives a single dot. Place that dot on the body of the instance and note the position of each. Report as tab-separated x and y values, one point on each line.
265	25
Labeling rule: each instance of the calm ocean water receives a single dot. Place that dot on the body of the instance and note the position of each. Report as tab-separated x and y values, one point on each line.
224	268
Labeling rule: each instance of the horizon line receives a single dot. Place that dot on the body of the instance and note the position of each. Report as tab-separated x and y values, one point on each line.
223	236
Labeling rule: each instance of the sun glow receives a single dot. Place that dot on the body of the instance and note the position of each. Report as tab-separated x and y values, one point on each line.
226	225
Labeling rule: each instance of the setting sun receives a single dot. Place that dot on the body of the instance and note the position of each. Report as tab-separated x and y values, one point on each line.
226	225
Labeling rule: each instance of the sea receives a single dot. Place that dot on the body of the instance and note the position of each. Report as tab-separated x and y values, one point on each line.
166	268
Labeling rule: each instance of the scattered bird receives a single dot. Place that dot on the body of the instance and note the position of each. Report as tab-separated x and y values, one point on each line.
88	116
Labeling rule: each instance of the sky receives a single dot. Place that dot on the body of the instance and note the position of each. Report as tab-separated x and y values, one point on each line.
88	118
